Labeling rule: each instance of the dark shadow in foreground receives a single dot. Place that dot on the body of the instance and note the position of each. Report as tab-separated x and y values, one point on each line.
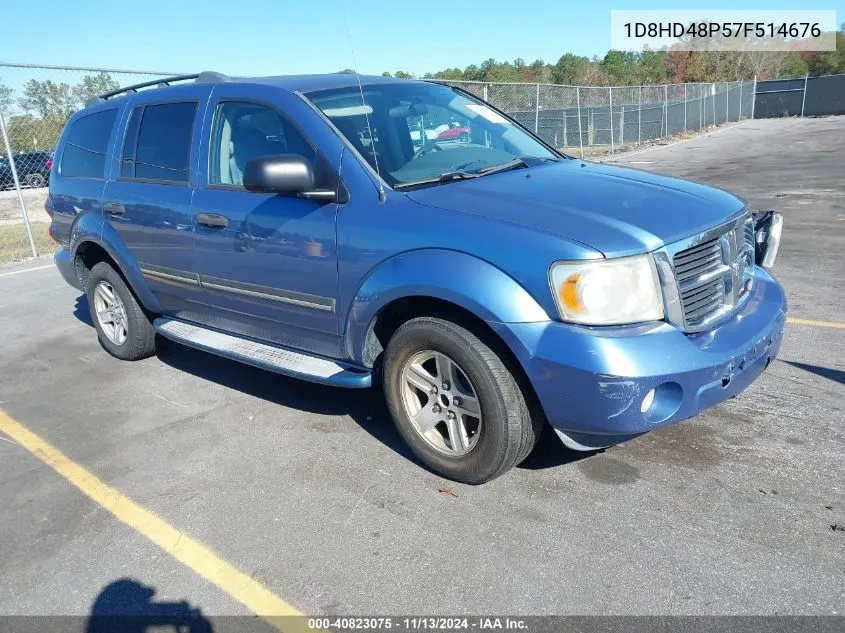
127	606
836	375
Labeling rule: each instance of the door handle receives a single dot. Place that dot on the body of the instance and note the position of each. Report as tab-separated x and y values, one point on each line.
212	220
114	208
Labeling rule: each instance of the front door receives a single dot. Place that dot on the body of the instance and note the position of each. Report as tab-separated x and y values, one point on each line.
267	263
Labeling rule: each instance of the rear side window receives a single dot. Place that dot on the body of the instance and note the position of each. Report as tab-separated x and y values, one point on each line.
158	142
86	147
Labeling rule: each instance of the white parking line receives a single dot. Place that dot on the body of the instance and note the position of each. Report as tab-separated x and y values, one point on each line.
27	270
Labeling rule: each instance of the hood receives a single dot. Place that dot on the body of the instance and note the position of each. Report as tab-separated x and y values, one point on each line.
615	210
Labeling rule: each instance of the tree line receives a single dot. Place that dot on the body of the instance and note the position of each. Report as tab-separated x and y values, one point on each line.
45	107
628	68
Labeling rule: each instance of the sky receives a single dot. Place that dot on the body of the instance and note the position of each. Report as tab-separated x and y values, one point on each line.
265	37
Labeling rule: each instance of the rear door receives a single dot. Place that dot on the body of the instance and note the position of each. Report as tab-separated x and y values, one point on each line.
147	200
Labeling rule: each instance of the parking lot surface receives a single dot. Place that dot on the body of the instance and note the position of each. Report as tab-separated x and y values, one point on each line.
310	491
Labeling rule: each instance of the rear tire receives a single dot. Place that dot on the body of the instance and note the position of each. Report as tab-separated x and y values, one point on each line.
122	326
439	376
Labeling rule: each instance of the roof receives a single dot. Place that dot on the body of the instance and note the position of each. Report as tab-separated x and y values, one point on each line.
293	83
312	83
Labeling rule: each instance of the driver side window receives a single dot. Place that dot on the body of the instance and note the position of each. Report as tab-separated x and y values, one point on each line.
243	131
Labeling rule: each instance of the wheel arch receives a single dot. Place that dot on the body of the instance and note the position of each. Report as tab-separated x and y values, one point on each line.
90	247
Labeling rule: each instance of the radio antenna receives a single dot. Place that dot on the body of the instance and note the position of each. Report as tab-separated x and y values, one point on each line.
381	194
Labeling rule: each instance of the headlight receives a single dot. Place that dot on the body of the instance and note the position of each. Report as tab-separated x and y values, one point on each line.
608	291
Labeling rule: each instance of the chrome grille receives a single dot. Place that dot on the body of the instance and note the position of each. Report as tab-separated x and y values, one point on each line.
749	233
713	273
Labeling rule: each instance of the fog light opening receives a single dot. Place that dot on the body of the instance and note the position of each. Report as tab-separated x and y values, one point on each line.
725	382
647	401
662	402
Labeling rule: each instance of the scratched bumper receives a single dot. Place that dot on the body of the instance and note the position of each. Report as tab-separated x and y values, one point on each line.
591	381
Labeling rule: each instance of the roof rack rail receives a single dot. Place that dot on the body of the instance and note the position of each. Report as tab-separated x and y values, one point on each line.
207	76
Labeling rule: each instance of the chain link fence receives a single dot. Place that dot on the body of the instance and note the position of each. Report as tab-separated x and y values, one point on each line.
36	101
590	120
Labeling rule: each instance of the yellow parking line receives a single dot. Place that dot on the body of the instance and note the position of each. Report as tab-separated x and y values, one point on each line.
833	324
179	545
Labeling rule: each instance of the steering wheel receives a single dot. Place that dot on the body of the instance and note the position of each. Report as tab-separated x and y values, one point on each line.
428	146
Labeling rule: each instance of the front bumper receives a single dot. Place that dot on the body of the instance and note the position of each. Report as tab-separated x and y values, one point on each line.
591	381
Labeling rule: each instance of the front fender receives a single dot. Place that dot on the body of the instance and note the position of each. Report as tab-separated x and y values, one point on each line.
452	276
94	228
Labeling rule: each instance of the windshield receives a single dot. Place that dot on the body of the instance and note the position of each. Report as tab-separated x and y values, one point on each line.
425	133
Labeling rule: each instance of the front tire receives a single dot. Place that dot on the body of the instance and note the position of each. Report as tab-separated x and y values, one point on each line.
455	402
122	326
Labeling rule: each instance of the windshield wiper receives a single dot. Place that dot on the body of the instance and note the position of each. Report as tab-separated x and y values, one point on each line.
516	163
444	177
449	176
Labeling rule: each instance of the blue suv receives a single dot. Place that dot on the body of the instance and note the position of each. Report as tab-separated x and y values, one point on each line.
328	227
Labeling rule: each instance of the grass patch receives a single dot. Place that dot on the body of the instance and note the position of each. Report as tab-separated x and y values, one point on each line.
14	242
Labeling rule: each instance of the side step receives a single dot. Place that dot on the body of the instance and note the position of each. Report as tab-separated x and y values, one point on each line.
262	355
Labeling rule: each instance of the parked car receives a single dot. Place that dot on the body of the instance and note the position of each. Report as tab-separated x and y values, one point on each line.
458	132
491	288
33	169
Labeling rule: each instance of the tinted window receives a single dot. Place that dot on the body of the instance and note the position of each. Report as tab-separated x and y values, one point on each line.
163	149
87	145
243	131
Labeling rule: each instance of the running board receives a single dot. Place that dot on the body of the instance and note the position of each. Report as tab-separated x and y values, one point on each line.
269	357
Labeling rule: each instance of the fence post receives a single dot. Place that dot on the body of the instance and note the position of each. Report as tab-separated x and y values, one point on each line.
739	111
578	102
484	91
537	110
804	95
727	95
610	101
666	106
17	185
640	118
754	97
685	107
713	98
700	108
622	126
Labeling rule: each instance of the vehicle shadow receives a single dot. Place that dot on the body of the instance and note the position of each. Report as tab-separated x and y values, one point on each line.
550	452
365	406
836	375
126	605
81	311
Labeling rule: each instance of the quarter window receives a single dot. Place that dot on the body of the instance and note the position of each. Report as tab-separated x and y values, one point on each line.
243	131
86	147
158	142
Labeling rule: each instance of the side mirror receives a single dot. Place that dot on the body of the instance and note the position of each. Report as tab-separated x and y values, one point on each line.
287	174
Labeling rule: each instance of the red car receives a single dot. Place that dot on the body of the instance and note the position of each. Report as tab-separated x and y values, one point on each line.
461	133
